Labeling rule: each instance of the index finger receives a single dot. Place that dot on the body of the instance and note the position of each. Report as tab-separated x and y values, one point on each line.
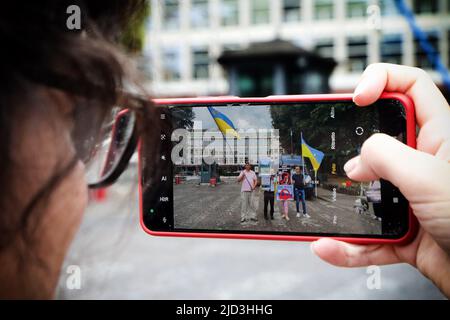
414	82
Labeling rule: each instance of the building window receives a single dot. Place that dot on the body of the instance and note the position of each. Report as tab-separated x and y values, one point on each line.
325	48
291	10
424	7
199	13
422	60
255	82
260	11
144	63
323	9
231	46
171	14
391	48
356	8
314	83
357	54
200	63
229	12
448	49
388	8
171	64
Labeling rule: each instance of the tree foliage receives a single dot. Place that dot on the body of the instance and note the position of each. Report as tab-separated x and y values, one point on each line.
133	37
316	123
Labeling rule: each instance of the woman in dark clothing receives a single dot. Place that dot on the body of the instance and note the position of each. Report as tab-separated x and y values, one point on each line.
299	192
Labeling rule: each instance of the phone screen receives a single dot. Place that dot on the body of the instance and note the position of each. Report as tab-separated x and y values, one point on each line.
270	168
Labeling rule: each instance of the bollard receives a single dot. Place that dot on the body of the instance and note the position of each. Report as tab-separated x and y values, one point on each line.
99	195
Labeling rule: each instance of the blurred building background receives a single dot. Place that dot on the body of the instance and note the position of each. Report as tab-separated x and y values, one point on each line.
186	38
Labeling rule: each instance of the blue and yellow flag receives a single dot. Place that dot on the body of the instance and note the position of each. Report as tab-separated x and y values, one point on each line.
314	155
224	124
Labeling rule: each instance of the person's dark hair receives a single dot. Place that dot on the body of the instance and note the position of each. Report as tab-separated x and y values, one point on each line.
39	51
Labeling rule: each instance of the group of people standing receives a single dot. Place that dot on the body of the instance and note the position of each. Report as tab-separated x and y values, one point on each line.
249	182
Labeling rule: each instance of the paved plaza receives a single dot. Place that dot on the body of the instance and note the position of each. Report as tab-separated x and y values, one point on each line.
205	207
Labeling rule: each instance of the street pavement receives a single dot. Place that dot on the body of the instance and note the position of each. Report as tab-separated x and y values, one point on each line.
118	260
219	208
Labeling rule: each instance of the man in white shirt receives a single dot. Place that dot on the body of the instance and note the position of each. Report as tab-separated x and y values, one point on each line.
248	180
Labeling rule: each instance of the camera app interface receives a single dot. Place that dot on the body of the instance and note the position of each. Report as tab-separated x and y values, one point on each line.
273	168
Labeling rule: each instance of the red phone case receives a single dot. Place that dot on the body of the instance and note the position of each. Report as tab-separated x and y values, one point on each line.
410	139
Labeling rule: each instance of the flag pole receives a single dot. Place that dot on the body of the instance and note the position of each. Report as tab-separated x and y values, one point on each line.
231	149
292	145
301	149
315	183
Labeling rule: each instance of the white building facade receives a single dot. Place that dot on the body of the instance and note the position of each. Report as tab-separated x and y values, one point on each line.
185	37
209	146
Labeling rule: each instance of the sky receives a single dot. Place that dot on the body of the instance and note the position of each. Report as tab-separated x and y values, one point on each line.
243	117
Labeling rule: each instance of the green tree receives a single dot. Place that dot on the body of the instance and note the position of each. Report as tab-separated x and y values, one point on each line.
314	121
133	36
182	117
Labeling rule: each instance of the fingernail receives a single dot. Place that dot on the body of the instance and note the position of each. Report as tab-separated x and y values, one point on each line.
350	165
360	89
357	92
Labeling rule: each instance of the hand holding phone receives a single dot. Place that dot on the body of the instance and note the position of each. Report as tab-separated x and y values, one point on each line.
211	138
422	175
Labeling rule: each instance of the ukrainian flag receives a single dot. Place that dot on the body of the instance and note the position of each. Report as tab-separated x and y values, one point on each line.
224	124
314	155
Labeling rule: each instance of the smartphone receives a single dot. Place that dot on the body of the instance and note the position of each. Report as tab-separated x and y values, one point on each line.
272	168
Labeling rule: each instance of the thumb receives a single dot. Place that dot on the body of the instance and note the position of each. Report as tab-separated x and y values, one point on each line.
414	172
